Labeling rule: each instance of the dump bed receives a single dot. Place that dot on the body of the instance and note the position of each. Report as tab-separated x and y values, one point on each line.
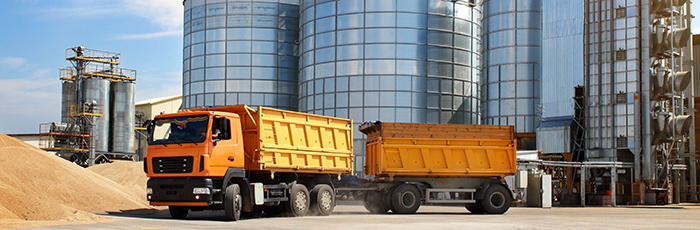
285	141
439	150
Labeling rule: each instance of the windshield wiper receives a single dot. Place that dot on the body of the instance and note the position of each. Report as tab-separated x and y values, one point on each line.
174	139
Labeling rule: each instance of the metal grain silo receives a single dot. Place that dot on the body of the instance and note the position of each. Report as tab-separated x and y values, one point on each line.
96	91
391	60
512	57
123	115
67	99
240	52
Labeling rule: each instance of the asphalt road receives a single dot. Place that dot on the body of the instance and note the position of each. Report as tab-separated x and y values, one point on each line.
428	217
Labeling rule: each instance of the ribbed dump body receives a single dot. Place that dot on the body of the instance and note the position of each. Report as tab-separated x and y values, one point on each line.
285	141
434	150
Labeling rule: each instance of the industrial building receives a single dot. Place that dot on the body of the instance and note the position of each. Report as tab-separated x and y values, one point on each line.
573	77
404	61
97	113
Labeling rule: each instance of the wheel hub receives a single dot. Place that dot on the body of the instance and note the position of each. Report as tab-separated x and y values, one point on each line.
408	199
326	200
300	201
497	200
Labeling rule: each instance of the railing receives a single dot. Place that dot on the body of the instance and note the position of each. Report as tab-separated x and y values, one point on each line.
92	55
67	74
63	137
86	109
99	70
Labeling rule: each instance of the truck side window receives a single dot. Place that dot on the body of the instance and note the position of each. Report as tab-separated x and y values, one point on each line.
221	129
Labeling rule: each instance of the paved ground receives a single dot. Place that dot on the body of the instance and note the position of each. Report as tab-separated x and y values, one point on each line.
428	217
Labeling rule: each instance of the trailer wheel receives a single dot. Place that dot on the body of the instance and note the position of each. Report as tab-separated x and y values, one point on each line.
375	203
298	204
475	208
322	200
406	199
178	212
496	200
232	202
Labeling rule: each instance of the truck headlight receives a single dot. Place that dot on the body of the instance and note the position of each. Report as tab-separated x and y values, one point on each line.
149	191
201	191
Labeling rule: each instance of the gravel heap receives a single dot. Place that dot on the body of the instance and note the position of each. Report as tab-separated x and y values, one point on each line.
39	186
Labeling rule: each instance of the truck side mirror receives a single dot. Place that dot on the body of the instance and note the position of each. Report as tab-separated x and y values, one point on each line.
150	124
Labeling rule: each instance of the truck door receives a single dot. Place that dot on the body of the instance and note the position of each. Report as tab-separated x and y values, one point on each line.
227	150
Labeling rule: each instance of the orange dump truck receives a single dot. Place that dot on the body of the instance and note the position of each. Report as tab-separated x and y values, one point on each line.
438	164
238	159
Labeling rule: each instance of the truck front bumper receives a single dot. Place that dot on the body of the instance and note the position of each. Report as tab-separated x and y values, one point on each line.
180	191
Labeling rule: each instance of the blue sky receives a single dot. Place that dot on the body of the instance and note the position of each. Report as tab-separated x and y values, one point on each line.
36	33
147	34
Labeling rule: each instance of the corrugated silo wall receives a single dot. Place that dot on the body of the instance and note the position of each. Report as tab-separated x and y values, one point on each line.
240	52
97	91
67	100
415	61
562	62
512	63
123	115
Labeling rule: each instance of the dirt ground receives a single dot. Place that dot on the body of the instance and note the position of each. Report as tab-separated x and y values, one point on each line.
39	188
353	217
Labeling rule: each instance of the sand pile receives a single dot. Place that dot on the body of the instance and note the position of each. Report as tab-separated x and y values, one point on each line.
126	173
36	185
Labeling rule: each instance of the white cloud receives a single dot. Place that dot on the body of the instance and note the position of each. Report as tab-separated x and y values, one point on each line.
12	62
151	35
167	13
85	11
26	103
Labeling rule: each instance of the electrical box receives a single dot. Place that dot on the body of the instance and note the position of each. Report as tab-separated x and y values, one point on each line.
539	190
521	179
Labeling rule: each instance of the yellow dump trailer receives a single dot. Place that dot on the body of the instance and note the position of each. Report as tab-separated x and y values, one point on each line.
439	150
414	164
284	141
239	159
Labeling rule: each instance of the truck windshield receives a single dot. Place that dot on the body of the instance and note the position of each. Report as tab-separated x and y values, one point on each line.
178	130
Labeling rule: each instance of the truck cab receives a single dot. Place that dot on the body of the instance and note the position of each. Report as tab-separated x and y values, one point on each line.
238	159
189	154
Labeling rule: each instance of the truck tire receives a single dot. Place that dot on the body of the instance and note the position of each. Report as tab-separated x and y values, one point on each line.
496	200
178	212
232	202
298	204
322	200
375	203
406	199
475	208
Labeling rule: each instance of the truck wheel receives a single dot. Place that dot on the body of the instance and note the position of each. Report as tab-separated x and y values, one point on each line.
496	200
298	204
178	212
406	199
375	203
232	202
475	208
322	200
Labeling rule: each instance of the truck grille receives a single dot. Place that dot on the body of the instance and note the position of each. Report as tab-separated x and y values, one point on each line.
172	164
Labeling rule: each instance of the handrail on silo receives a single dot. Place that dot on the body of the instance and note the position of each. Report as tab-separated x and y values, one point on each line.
92	55
99	70
67	74
86	109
